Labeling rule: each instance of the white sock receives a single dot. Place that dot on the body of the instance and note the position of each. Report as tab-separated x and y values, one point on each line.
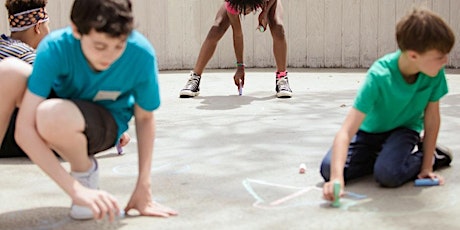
90	170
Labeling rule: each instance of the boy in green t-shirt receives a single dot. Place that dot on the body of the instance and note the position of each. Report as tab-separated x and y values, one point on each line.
399	99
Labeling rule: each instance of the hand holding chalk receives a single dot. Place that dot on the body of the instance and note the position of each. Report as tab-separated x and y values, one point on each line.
426	182
336	202
261	28
119	148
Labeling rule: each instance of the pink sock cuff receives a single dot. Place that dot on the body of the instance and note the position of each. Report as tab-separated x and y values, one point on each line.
281	74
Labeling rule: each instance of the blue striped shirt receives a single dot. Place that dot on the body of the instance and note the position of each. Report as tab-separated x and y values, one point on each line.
15	48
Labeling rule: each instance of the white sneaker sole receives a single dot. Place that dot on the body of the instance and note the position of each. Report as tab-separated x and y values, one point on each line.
188	93
78	212
284	94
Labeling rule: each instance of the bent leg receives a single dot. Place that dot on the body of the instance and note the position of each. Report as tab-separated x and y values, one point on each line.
275	21
362	154
13	83
76	129
221	24
397	164
61	125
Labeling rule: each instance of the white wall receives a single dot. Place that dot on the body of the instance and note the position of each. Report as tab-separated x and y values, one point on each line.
320	33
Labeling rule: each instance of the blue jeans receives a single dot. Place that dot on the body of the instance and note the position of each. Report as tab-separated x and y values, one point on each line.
389	156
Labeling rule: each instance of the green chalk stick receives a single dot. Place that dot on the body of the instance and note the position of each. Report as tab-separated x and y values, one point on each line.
336	202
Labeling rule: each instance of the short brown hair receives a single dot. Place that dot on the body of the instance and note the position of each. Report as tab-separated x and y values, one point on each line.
113	17
18	6
422	30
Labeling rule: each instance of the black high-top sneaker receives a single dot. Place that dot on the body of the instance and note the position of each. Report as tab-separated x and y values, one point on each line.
282	85
192	87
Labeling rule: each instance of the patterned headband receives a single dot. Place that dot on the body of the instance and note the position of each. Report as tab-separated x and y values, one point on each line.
27	19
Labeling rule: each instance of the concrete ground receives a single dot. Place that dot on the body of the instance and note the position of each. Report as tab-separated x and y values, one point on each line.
232	162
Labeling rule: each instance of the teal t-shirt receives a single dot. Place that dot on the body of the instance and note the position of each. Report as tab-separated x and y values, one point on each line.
133	78
390	102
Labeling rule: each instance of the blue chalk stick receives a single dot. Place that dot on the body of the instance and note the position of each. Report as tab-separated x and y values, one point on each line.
240	89
336	202
426	182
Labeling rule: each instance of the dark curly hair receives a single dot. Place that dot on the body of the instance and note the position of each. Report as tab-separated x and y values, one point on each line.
242	5
113	17
18	6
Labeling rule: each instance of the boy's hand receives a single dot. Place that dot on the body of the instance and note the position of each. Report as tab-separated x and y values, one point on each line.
428	173
124	139
100	202
239	77
328	190
142	202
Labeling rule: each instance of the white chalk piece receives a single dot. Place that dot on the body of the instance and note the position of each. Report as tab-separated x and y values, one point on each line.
302	168
426	182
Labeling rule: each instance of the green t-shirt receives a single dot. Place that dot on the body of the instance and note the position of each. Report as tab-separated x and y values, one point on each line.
390	102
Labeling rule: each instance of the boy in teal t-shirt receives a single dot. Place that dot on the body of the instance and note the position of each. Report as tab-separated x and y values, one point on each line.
399	98
98	74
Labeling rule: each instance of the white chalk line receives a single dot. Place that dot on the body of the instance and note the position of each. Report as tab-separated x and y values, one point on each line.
350	200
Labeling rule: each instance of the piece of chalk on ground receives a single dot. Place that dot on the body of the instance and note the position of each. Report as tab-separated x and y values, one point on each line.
240	90
426	182
302	168
336	202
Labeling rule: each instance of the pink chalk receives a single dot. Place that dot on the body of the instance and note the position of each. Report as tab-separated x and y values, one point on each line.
302	168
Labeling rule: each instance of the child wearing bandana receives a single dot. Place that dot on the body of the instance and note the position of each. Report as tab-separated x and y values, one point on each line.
229	14
28	25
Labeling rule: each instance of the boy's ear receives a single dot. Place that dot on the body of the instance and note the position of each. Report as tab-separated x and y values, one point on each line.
412	55
37	27
75	32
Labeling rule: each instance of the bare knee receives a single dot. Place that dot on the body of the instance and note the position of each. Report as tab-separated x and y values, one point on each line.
15	67
56	118
277	31
217	31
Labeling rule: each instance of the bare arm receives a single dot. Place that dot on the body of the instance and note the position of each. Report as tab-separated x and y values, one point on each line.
263	16
238	42
238	46
340	149
432	123
29	139
141	198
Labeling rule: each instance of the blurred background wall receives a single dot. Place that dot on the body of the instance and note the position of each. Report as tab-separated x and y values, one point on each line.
320	33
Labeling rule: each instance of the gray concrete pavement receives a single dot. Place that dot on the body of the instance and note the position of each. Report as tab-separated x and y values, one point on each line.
232	162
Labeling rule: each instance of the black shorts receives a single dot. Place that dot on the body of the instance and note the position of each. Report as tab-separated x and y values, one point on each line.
9	147
100	130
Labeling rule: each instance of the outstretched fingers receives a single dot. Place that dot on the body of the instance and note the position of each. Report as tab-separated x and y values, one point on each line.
153	209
